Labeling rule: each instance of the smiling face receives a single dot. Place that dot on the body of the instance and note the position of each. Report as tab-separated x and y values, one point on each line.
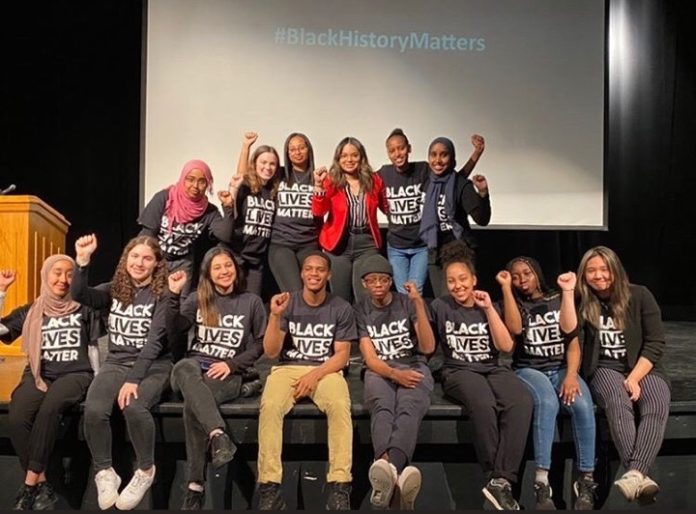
377	285
298	151
315	273
141	262
223	272
525	280
349	159
598	276
59	278
265	165
461	283
195	184
398	150
439	158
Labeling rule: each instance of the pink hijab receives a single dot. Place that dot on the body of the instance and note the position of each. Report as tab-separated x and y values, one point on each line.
180	208
51	305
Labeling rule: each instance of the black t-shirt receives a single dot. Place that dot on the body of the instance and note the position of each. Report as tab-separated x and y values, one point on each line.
310	332
237	338
177	242
468	203
253	222
294	224
612	344
390	329
64	339
405	192
464	335
542	343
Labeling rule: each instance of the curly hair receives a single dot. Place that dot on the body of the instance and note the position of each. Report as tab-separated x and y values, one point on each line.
206	287
336	175
590	305
253	180
122	286
457	251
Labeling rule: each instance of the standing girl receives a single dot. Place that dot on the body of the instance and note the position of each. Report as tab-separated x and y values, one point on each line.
228	338
472	335
137	367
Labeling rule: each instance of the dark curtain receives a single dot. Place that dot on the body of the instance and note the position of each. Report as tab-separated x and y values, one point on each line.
70	130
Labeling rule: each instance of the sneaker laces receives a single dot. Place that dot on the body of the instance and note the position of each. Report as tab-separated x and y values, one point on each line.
140	479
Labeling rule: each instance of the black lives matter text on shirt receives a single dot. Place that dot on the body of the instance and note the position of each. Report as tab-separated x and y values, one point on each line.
542	343
294	223
612	344
390	329
312	331
253	224
405	192
464	335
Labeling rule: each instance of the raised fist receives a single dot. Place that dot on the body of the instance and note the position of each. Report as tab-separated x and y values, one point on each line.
85	246
279	303
249	138
479	144
567	281
226	198
412	290
482	300
480	183
319	176
7	278
177	280
504	278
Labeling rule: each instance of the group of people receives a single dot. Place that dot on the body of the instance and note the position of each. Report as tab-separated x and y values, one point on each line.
596	336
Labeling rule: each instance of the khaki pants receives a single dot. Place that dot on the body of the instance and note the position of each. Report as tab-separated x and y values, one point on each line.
330	396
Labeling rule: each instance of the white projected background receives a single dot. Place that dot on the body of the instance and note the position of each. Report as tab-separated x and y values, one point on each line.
526	74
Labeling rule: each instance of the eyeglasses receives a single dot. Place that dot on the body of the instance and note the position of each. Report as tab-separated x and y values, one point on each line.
296	149
371	281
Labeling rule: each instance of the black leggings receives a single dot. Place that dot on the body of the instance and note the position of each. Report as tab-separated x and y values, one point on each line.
286	263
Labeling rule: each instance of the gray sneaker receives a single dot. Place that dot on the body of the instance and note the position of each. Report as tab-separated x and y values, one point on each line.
382	476
543	494
498	493
408	484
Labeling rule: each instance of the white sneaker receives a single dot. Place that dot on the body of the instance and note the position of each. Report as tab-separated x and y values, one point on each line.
383	478
409	484
629	484
133	493
108	482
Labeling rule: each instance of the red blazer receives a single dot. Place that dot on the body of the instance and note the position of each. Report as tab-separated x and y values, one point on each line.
335	202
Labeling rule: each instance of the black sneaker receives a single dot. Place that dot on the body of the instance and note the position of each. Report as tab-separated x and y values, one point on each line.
543	494
270	497
222	450
498	492
585	493
25	498
193	500
45	496
339	496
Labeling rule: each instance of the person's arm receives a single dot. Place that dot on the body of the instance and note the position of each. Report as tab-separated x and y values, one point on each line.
570	388
568	319
176	322
424	331
274	336
306	384
248	140
221	228
409	378
321	203
382	201
476	200
240	363
479	145
12	324
96	297
511	312
500	335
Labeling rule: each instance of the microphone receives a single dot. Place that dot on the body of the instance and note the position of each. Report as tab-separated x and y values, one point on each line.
8	189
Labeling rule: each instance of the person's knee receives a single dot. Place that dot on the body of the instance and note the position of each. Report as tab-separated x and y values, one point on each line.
185	368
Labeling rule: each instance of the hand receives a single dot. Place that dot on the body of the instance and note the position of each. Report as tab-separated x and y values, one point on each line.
84	248
481	184
219	370
412	291
567	281
319	176
226	198
479	145
235	183
7	278
570	388
124	395
408	378
279	303
249	138
305	385
177	280
504	279
482	300
632	388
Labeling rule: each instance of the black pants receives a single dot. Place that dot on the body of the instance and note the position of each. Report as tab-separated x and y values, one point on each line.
202	395
34	416
346	265
286	263
500	409
141	427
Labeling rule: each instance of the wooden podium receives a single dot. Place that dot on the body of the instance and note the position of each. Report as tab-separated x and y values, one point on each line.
30	231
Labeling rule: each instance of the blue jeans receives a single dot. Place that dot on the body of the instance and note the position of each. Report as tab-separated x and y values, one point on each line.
545	387
409	264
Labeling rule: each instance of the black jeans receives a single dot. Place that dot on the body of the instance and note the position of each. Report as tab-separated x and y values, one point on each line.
34	416
141	427
202	395
500	409
286	263
346	265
